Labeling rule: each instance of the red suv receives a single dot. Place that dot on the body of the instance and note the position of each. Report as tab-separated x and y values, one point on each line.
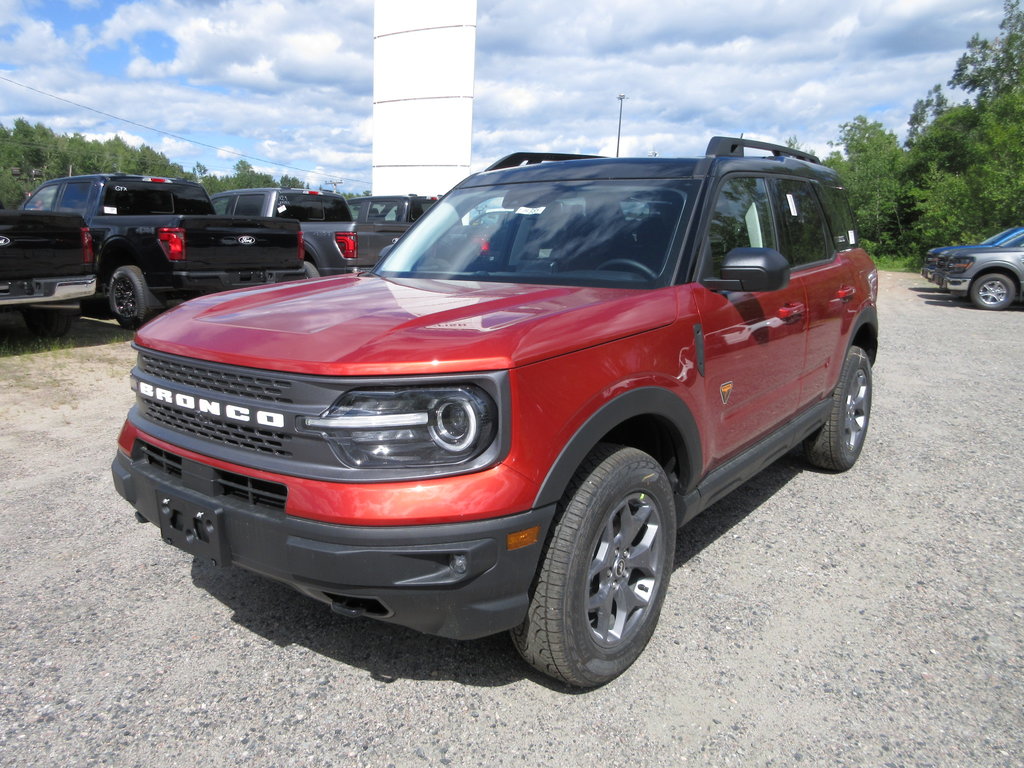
502	426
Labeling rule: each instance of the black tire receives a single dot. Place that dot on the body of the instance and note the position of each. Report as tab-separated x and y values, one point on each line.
993	291
48	323
129	297
837	445
605	571
309	268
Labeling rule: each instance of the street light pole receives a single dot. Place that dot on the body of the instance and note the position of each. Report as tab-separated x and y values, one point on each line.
618	136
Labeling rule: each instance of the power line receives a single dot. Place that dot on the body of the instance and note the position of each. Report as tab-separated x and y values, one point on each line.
176	136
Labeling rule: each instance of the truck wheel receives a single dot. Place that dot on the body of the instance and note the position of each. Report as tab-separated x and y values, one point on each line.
48	323
605	572
129	297
310	269
838	443
994	291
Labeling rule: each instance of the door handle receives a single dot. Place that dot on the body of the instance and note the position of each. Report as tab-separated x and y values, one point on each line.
790	312
846	293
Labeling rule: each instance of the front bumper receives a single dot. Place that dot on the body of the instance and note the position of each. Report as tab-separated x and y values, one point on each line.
457	580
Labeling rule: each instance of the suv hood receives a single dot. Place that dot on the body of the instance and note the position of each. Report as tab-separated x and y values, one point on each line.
371	326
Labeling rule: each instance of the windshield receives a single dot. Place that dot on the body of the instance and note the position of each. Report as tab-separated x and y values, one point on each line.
595	233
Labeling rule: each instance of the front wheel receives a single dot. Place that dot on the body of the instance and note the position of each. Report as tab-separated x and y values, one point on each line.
837	445
605	572
994	291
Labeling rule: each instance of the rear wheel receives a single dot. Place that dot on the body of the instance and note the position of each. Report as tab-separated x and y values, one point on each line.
310	270
837	445
48	323
605	572
994	291
129	299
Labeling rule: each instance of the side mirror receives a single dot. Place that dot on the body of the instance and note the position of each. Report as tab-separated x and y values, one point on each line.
753	270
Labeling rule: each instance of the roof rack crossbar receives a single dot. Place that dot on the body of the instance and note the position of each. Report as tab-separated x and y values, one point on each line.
517	159
725	146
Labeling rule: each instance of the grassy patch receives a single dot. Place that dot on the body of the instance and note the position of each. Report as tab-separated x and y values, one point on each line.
16	339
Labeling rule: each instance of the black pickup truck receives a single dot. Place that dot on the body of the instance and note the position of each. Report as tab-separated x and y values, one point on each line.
46	268
328	228
158	240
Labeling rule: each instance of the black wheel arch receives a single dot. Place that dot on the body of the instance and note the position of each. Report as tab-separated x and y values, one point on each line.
864	333
114	253
651	419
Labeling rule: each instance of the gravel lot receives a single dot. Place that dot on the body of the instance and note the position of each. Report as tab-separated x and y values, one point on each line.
874	618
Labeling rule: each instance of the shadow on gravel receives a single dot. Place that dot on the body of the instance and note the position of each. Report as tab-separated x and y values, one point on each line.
717	520
15	338
386	651
389	652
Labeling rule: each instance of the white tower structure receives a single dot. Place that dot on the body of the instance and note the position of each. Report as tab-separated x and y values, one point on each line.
423	61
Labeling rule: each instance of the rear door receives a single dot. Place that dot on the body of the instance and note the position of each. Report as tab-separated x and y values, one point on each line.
827	278
755	343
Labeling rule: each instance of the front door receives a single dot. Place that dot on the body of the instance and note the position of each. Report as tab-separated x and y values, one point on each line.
755	343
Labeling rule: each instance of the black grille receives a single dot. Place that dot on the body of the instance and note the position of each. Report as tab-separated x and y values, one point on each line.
229	382
161	459
238	435
260	493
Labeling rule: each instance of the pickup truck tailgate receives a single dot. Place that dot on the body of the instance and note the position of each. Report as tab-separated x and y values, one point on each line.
229	242
34	242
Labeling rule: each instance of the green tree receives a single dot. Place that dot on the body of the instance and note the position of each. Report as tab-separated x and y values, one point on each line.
871	162
994	67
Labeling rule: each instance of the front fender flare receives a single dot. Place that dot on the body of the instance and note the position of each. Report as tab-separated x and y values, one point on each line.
644	401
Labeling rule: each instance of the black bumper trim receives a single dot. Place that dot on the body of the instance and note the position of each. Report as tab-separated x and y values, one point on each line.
455	580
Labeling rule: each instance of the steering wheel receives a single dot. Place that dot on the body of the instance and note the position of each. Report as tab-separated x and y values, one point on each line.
630	264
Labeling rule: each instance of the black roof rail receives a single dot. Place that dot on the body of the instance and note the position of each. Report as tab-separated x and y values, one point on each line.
725	146
517	159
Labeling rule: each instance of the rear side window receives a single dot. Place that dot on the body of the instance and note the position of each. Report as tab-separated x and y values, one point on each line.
75	196
840	217
742	218
249	205
142	198
801	223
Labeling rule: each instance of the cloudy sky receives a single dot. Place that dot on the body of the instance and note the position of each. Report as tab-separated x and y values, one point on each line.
289	85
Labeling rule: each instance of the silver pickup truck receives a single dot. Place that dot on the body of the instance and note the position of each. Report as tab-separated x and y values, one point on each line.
991	277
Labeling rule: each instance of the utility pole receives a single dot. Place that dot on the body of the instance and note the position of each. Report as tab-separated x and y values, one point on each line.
618	136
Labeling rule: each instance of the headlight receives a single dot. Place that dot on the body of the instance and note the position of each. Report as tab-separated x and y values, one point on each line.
409	427
961	263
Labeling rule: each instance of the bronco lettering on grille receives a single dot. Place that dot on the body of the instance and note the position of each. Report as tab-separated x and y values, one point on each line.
214	408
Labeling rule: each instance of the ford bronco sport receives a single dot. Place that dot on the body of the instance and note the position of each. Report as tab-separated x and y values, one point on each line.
503	424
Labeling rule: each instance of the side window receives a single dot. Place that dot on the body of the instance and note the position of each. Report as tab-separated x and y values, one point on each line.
222	205
801	223
75	196
43	199
840	218
357	209
249	205
742	219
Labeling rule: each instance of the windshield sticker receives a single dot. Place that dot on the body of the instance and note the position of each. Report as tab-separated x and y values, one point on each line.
282	208
110	209
792	205
524	211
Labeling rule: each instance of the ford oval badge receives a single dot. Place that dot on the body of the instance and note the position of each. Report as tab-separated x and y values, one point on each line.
4	241
246	239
